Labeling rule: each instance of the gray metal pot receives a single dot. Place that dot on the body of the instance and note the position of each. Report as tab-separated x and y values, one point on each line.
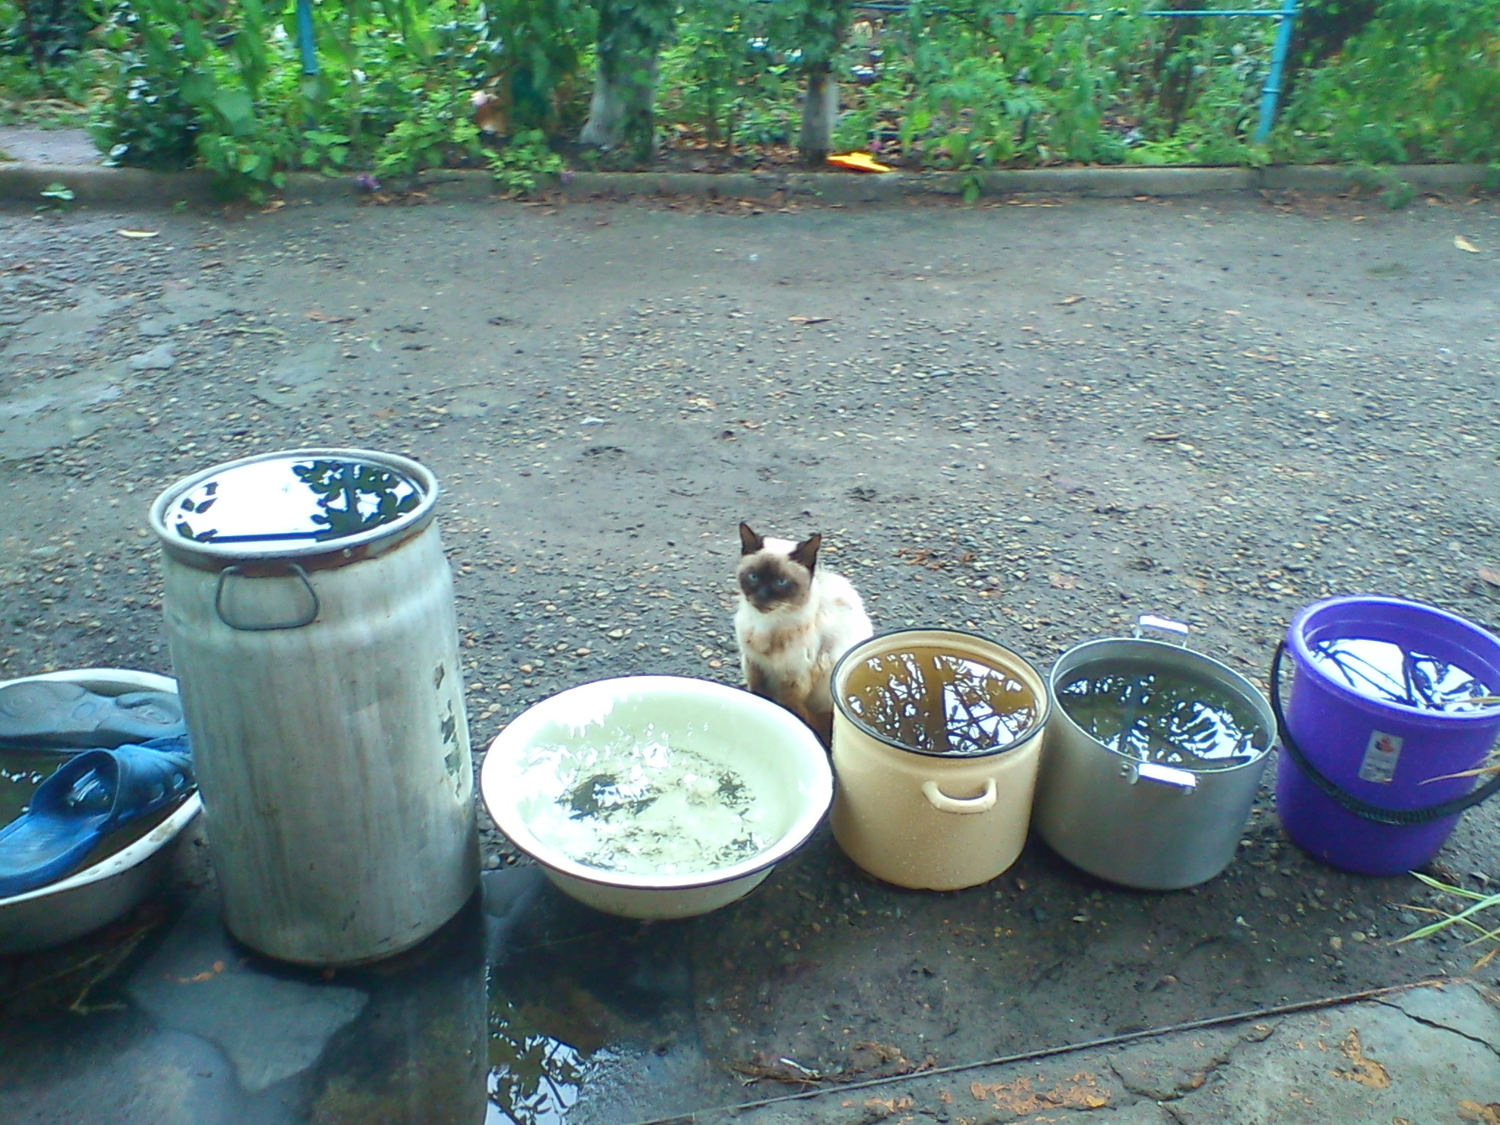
1139	823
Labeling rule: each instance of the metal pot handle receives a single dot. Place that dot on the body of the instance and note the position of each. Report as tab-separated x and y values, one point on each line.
1184	780
964	805
1161	624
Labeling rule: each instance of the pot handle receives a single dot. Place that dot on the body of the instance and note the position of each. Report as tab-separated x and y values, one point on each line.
1185	780
1162	625
965	805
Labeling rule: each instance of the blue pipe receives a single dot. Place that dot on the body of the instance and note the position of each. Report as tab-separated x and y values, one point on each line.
1275	13
1271	92
305	41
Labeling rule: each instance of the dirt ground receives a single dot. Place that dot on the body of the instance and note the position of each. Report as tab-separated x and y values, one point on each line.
1034	420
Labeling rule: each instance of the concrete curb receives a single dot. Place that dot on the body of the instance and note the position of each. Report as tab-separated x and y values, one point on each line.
97	186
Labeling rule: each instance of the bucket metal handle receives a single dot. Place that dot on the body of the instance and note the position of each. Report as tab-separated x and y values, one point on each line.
1184	780
306	618
964	805
1162	624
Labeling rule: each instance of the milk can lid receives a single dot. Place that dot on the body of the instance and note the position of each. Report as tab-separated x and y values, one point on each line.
292	504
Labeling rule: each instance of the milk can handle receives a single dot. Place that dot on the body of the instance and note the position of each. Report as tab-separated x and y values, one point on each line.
965	805
305	619
1330	788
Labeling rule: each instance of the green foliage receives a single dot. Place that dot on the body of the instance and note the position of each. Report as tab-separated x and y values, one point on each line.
965	85
1420	82
717	76
519	166
436	132
47	71
535	49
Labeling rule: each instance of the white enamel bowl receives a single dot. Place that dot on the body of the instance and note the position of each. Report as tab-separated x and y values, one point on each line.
103	891
778	757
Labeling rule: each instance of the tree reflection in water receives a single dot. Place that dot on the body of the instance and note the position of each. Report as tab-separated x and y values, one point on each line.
534	1078
371	496
938	702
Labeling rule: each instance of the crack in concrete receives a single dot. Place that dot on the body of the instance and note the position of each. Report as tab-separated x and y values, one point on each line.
1196	1079
1485	1043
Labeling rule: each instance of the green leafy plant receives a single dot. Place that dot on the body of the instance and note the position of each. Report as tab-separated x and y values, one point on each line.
525	159
1419	82
438	132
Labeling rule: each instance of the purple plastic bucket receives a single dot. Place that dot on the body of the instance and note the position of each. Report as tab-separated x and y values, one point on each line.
1379	757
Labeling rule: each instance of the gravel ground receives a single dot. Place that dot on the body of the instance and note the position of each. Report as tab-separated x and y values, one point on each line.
1035	420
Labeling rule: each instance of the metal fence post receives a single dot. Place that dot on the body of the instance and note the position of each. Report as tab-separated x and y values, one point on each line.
1271	91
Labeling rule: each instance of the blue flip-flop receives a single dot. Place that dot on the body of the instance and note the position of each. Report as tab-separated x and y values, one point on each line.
86	799
60	714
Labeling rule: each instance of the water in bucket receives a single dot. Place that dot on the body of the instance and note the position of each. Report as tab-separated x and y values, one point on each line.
1390	673
1388	708
939	702
1158	714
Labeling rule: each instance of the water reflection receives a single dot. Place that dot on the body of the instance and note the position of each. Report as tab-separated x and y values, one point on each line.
939	702
290	498
1391	673
534	1079
591	1017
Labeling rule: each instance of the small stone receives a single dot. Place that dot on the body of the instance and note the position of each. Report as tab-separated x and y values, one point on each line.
1357	935
1266	892
1336	944
158	358
491	862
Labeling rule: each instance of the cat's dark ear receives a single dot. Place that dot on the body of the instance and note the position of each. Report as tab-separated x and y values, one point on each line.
749	541
805	553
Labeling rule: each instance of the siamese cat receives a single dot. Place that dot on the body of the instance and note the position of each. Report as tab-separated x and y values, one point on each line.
795	619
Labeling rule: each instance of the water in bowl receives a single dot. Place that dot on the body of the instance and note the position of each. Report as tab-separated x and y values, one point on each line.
1391	673
939	702
645	805
1157	714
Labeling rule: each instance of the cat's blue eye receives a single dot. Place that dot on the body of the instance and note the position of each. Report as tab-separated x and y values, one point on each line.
783	583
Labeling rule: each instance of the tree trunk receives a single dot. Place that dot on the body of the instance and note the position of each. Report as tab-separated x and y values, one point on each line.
622	112
820	109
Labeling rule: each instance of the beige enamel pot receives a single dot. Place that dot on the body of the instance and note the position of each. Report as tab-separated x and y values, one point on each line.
924	820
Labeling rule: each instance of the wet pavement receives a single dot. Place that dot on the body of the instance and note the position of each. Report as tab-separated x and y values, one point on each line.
1033	421
531	1009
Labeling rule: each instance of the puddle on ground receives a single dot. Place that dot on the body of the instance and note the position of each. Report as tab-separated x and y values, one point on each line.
590	1017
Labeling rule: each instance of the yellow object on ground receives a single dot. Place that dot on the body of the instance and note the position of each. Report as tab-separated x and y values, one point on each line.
858	162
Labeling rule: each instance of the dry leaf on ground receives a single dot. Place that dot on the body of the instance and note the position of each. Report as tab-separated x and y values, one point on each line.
1464	244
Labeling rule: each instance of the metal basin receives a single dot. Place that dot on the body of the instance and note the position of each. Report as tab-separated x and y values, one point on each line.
107	888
